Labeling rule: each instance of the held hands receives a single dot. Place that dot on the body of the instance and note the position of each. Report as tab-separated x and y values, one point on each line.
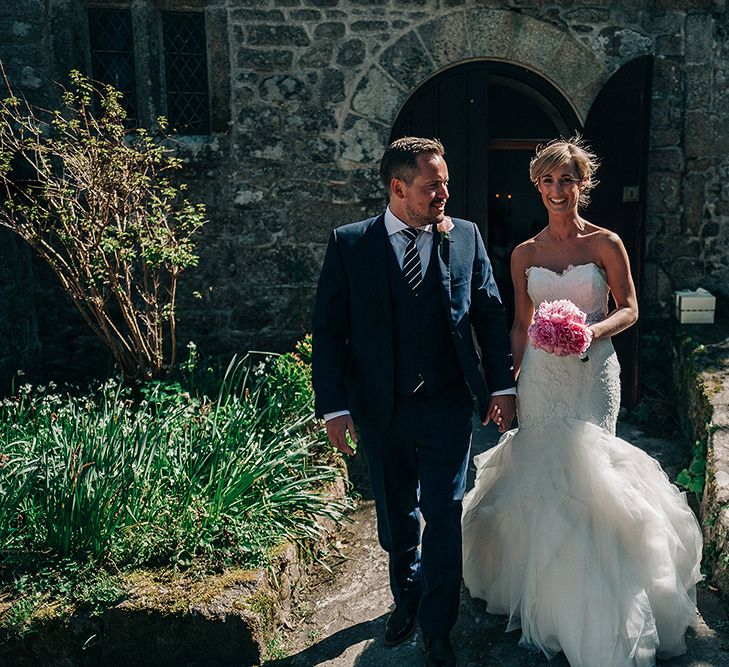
501	411
337	430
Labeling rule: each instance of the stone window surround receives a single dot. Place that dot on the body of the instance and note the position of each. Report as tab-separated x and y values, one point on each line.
149	60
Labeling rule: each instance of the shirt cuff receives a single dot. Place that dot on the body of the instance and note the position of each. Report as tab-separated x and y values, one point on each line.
332	415
505	392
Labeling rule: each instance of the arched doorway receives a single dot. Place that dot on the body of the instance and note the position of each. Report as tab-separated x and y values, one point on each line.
491	115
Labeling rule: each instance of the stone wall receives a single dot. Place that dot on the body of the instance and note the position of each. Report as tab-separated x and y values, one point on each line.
702	381
315	85
21	345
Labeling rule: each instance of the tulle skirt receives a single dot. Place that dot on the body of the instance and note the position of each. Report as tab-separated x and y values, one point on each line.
580	538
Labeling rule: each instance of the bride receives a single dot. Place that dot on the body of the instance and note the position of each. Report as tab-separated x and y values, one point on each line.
572	532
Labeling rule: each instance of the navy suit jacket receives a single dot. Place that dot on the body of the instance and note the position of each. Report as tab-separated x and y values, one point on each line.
352	328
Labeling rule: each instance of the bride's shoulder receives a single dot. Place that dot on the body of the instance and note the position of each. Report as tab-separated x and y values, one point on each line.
606	244
601	234
525	252
523	257
603	239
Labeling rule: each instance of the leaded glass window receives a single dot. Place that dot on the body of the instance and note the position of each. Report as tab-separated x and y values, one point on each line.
112	54
186	72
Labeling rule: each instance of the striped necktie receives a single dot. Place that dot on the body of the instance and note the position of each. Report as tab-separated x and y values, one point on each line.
411	269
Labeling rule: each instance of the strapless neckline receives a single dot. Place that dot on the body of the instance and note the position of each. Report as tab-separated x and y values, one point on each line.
564	272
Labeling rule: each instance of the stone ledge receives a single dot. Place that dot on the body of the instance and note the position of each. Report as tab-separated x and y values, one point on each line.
222	620
702	380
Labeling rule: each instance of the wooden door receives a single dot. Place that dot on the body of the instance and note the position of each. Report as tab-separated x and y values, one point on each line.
453	108
617	129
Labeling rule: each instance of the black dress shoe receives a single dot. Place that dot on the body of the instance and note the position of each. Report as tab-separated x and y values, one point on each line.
400	625
438	653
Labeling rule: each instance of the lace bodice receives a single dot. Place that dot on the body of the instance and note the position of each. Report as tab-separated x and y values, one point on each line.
584	285
552	388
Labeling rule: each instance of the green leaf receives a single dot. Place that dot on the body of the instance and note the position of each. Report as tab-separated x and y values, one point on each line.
684	479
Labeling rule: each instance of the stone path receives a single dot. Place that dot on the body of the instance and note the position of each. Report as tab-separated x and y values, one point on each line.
344	612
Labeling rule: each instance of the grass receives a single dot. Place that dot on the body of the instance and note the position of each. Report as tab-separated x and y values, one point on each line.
97	485
277	648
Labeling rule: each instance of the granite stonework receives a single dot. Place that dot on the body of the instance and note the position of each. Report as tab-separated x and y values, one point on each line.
701	376
304	95
20	348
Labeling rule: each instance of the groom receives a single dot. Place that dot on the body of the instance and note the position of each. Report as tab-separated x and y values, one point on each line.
394	354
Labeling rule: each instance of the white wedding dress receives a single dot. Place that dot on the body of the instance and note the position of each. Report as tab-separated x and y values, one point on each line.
575	534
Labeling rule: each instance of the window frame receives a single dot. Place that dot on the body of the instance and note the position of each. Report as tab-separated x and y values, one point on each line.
164	73
149	63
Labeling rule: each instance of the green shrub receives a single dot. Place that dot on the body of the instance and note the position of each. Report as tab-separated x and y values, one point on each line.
101	205
692	478
168	477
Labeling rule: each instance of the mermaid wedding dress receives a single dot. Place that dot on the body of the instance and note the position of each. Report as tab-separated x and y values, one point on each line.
576	535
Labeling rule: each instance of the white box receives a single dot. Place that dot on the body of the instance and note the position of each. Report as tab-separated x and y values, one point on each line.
696	317
695	306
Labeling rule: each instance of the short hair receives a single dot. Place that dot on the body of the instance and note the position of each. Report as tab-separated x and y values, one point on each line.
401	158
561	151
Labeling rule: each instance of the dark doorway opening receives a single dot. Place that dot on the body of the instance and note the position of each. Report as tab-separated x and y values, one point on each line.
490	117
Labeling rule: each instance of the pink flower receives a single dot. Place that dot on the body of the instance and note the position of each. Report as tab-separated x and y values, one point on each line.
445	225
559	328
543	335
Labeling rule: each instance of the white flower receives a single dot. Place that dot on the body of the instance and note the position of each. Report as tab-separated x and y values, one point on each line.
445	225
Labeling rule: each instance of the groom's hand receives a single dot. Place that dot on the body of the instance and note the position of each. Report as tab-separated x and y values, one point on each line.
501	411
337	429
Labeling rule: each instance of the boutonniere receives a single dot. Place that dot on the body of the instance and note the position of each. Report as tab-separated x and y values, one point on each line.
444	228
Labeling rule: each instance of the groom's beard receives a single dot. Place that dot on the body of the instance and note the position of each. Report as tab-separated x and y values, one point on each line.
419	220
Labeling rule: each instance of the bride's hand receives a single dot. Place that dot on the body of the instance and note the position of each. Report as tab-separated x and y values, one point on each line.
501	411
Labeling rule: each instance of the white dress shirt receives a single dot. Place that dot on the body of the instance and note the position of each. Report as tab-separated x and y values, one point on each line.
399	242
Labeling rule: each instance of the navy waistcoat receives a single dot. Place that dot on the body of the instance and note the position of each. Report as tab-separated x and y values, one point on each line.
422	343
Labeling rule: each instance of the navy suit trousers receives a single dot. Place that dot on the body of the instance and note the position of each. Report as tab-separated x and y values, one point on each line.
418	465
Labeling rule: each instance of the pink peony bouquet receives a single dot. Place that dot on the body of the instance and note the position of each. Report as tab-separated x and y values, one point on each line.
559	328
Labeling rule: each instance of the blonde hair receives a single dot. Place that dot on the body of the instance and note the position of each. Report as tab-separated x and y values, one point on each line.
562	151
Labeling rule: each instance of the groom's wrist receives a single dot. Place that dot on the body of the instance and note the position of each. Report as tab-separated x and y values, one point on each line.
500	392
332	415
